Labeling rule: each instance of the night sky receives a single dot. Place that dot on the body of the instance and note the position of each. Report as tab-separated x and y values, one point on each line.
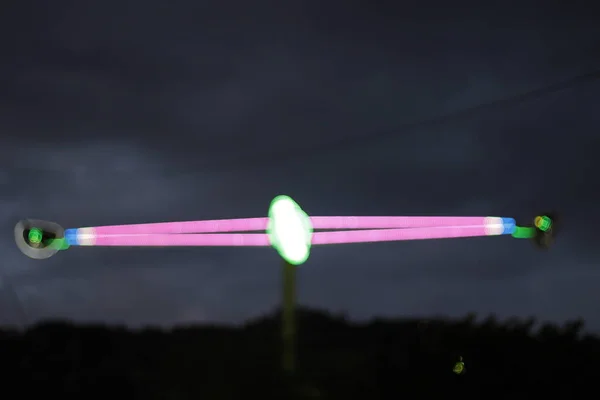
137	111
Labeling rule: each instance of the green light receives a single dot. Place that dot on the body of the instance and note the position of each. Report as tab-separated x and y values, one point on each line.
58	244
543	223
289	230
35	236
459	367
522	232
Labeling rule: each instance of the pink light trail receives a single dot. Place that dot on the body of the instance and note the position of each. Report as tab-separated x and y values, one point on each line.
261	239
260	224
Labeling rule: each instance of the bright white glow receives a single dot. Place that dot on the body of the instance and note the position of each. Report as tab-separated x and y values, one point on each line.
291	234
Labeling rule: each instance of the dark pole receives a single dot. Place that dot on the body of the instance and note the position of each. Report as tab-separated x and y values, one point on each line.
288	318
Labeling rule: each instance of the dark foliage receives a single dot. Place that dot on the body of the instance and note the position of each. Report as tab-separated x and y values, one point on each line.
383	359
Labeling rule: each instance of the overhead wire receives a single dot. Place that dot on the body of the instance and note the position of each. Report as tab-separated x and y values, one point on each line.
348	142
297	153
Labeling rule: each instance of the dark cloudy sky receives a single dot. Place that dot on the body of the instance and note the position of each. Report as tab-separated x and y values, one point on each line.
138	111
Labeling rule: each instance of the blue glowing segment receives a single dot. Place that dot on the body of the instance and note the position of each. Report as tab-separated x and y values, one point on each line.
510	225
71	237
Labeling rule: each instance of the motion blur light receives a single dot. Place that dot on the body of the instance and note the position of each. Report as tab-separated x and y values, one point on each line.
39	239
287	229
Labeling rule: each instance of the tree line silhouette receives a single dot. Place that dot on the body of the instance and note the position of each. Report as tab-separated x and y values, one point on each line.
337	359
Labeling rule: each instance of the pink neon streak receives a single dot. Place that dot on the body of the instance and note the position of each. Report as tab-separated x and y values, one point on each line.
198	239
261	239
391	235
260	224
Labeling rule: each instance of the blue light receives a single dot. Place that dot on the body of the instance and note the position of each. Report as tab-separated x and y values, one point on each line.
510	225
71	237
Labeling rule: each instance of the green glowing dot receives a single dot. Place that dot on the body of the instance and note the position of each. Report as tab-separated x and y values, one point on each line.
289	230
35	235
544	223
459	367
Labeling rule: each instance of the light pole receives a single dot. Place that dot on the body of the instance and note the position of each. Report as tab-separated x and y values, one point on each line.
288	318
290	233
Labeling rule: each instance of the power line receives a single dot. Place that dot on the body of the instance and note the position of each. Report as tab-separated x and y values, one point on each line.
345	143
